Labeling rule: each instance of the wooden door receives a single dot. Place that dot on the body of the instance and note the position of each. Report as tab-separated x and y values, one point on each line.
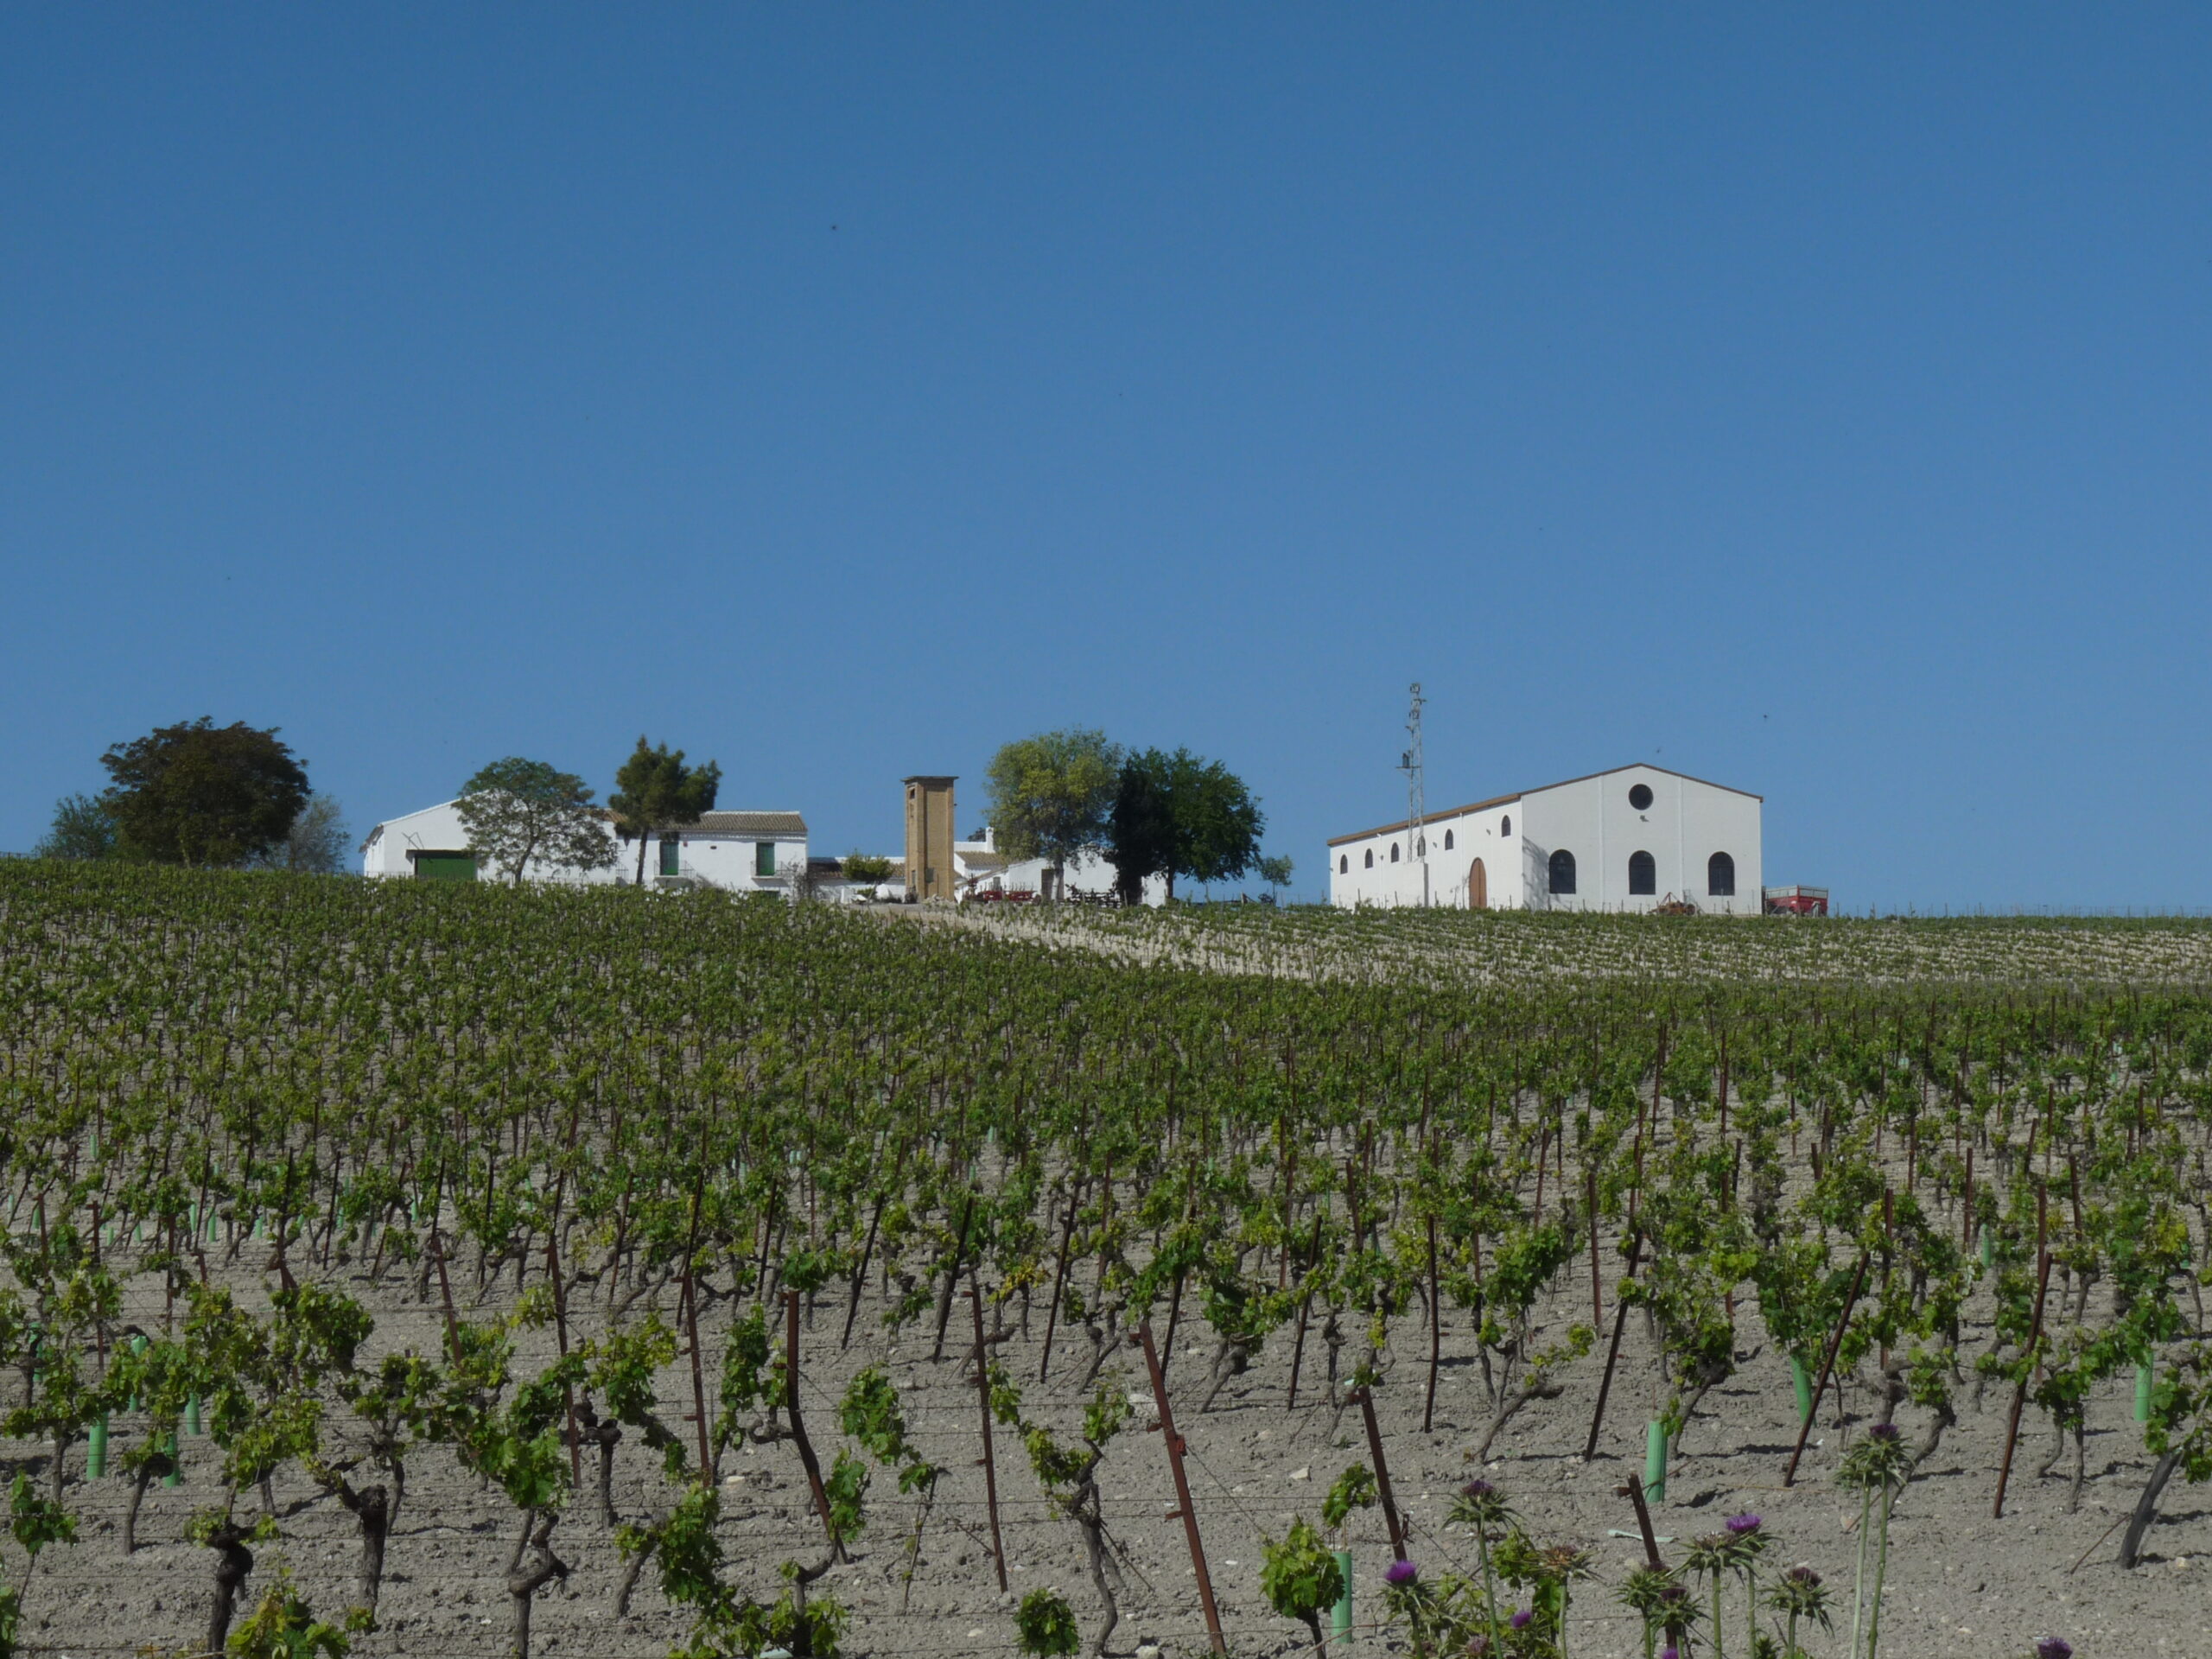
1478	887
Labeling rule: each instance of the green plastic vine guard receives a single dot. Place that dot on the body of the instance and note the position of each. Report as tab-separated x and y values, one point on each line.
1340	1614
2146	1375
1654	1461
96	1450
191	1413
174	1478
1988	1249
1802	1380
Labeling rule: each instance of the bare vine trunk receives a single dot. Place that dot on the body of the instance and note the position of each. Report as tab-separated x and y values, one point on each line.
525	1582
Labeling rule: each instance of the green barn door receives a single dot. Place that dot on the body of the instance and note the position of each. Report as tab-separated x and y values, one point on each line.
445	866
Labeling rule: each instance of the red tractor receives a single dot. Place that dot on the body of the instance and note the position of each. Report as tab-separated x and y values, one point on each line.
1796	901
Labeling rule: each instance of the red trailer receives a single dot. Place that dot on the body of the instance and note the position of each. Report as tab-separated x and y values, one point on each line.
1796	901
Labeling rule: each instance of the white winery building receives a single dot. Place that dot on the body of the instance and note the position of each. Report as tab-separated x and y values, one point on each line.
746	852
1624	840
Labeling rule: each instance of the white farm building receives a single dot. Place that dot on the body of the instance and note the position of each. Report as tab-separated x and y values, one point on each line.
1624	840
744	852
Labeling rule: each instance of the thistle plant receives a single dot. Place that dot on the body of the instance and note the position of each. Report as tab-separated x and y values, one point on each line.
1549	1572
1797	1595
1735	1549
1877	1464
1479	1505
1663	1602
1410	1598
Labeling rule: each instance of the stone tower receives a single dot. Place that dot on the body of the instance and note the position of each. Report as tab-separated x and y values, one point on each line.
928	838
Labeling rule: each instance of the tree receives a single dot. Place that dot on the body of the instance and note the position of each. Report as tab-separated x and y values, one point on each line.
317	844
202	794
1139	831
1052	795
516	810
655	791
1275	871
1176	815
82	829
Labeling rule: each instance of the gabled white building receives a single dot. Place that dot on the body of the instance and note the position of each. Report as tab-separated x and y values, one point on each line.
1624	840
745	852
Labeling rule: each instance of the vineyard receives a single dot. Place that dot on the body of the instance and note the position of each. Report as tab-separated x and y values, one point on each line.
449	1270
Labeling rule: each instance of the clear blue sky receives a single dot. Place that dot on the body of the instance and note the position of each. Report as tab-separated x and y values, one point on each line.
1823	407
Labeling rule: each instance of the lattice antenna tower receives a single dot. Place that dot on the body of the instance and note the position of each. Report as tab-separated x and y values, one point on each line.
1410	763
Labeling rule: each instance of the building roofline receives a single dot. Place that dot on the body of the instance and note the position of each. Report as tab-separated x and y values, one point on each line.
1501	800
1434	817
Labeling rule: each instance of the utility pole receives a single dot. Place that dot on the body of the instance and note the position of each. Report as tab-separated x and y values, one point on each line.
1409	763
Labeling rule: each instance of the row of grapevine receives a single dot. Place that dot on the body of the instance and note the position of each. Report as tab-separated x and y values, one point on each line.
642	1160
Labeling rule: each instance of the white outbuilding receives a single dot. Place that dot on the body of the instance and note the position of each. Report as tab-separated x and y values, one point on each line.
744	852
1630	839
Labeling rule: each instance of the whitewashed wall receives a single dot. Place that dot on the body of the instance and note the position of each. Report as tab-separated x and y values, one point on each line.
719	860
1686	822
1491	834
1088	872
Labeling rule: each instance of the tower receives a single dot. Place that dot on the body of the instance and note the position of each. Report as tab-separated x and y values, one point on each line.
929	838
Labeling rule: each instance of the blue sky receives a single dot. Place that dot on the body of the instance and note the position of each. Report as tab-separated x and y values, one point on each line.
1823	406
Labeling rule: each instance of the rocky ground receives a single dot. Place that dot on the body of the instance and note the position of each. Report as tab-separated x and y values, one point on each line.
1960	1583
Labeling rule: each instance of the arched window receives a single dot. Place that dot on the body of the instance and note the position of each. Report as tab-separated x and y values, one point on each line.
1447	841
1420	848
1563	871
1343	864
1370	858
1720	876
1642	873
1394	852
1505	825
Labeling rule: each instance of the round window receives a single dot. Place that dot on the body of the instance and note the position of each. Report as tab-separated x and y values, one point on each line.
1639	796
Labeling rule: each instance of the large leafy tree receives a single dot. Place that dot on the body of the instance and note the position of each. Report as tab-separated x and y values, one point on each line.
1177	815
655	791
1052	795
517	810
197	793
82	829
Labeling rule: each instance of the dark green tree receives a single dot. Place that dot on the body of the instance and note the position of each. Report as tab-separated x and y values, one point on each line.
1177	815
516	810
655	791
82	829
199	794
1052	795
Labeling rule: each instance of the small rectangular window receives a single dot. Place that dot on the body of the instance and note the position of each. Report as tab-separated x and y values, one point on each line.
671	855
764	858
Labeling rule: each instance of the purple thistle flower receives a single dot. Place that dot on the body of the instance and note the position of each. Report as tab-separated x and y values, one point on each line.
1670	1653
1477	1489
1400	1572
1804	1575
1520	1620
2052	1647
1887	1433
1740	1525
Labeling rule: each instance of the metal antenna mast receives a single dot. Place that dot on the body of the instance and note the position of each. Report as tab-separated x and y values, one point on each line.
1409	763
